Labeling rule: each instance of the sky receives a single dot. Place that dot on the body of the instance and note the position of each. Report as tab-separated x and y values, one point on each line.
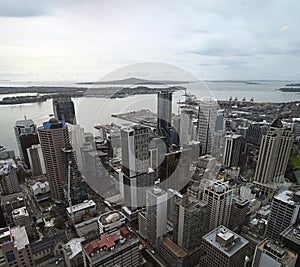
84	40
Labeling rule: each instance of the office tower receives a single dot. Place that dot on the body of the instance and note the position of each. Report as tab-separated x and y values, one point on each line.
271	254
222	247
290	237
255	132
54	137
110	222
9	183
239	213
21	217
284	212
14	247
64	110
190	222
36	160
274	154
74	189
142	224
135	149
76	134
156	213
232	150
218	196
173	196
207	124
164	114
26	136
135	165
186	126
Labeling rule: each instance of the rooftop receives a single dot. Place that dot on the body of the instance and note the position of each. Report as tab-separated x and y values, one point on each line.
225	240
278	251
109	244
20	212
288	197
20	237
82	206
292	233
73	247
111	217
174	248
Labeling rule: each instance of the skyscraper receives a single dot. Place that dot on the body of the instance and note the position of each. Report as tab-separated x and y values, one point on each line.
54	137
137	176
274	154
164	114
64	110
232	150
284	212
207	124
218	196
74	189
186	126
26	136
190	222
156	210
36	160
135	150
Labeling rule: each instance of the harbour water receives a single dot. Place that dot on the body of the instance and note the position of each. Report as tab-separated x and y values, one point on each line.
91	110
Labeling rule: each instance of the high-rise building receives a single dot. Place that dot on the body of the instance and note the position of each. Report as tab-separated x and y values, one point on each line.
74	189
164	114
137	176
271	254
64	110
190	222
186	126
135	150
232	150
218	197
76	134
54	137
274	154
9	183
14	248
36	160
239	213
207	124
284	212
156	214
222	247
26	136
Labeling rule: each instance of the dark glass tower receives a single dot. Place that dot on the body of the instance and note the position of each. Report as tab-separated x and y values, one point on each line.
64	110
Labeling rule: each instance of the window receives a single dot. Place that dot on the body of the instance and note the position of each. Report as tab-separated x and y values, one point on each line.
10	256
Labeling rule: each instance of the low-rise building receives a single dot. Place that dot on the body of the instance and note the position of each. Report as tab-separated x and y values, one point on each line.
118	249
81	211
110	221
73	252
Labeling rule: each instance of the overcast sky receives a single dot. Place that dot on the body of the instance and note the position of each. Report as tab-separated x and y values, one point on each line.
84	40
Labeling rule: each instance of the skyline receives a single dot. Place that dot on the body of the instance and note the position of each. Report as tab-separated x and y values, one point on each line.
81	41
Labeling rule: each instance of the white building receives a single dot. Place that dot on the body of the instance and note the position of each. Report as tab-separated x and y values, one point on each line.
156	213
80	210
